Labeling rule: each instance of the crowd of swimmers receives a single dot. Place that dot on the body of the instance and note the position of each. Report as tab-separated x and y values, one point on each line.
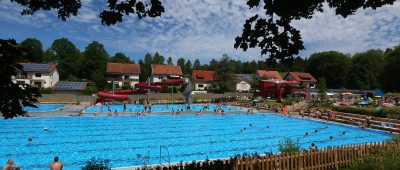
148	107
55	165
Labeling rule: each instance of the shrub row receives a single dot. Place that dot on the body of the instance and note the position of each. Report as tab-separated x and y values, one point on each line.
384	112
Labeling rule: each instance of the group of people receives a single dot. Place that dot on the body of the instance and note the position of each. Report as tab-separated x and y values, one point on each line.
55	165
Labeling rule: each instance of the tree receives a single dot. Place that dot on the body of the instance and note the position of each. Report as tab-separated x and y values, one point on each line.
275	34
366	69
49	56
224	75
213	64
13	96
120	58
94	63
146	67
196	64
169	61
158	59
68	57
322	89
390	77
34	48
188	68
181	63
332	65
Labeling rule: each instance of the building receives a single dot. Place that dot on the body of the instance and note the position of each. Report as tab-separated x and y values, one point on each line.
38	74
278	89
305	79
203	80
68	87
160	73
123	74
268	75
243	82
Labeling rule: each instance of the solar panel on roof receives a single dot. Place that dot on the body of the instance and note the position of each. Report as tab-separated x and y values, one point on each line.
71	85
35	67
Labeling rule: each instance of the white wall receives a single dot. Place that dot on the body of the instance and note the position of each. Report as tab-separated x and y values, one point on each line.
243	86
160	78
203	88
132	80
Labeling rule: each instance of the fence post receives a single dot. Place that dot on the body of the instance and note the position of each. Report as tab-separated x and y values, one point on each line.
335	152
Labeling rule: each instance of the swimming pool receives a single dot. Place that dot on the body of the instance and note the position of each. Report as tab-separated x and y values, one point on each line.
157	108
44	107
187	137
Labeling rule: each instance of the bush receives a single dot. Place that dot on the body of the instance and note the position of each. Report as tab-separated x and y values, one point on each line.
46	91
126	88
168	89
378	160
289	146
291	101
384	112
395	138
91	89
97	164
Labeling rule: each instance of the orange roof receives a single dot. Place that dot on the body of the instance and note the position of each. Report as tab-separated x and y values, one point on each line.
203	75
269	74
123	68
302	77
166	70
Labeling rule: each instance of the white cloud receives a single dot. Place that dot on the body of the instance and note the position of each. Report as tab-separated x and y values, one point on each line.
206	29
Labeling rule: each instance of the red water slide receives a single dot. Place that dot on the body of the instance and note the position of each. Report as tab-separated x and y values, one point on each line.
142	88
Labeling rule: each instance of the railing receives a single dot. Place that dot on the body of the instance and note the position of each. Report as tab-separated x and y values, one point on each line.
168	159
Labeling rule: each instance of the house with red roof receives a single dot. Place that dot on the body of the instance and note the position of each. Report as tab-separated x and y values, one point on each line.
305	79
41	75
160	73
203	80
123	74
268	75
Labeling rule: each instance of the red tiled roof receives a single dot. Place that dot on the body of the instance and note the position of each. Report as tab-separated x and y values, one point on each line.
302	77
203	75
123	68
166	70
269	74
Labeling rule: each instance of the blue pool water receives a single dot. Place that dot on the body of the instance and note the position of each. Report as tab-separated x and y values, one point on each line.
158	108
188	137
43	107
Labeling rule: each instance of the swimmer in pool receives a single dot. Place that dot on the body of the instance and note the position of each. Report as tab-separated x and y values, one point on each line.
305	135
45	129
10	165
330	137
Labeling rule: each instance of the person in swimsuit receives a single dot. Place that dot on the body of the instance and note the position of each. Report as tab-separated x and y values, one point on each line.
10	165
56	165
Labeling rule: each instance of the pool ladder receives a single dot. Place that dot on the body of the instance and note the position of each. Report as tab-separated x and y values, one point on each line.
161	158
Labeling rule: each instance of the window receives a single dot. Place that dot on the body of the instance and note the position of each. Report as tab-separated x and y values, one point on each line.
38	75
126	77
38	84
200	85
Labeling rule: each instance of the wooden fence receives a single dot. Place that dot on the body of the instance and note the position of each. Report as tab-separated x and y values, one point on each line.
326	158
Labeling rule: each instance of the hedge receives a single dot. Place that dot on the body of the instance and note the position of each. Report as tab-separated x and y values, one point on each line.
368	111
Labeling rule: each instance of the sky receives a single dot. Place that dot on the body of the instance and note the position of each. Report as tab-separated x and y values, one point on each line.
203	29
